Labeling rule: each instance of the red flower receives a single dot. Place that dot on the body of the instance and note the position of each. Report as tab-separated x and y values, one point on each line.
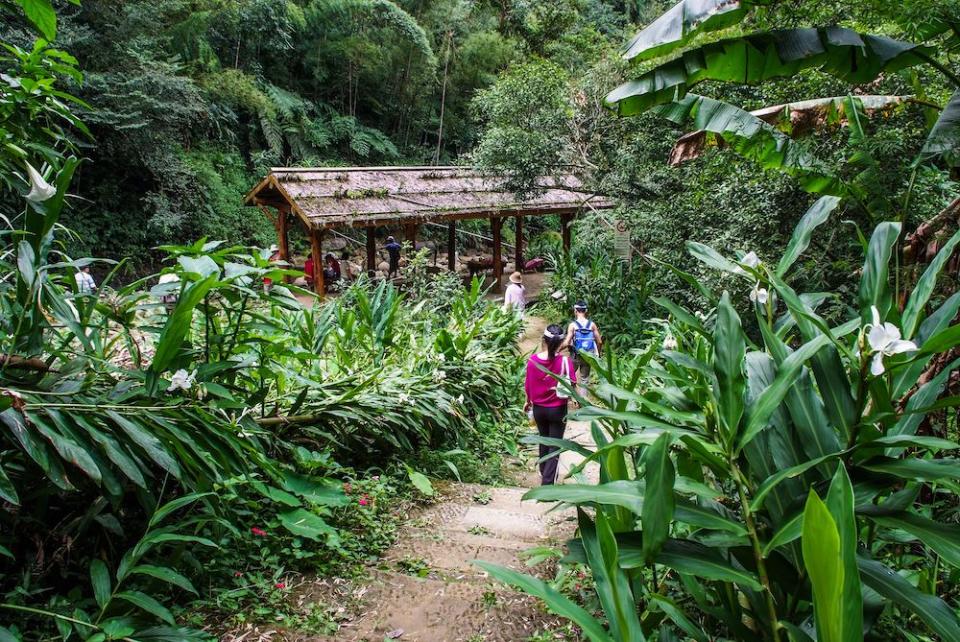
280	585
238	574
259	532
364	500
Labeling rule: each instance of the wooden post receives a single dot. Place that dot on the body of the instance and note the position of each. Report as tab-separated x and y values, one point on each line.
410	235
497	224
283	235
371	252
566	221
452	246
316	251
518	256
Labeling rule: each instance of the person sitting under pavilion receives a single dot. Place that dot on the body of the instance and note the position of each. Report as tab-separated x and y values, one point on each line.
331	271
308	271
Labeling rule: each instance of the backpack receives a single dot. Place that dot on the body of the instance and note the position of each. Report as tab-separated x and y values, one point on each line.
583	339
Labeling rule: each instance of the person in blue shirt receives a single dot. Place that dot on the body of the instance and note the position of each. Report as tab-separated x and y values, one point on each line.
393	249
583	337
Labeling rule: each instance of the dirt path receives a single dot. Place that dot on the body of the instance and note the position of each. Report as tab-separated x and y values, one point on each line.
427	589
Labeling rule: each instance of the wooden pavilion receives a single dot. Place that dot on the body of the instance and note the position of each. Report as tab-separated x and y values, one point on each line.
407	197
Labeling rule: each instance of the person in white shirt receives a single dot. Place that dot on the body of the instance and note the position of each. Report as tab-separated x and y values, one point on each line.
85	282
515	298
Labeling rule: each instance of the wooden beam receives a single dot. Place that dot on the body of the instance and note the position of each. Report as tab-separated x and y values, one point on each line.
371	252
566	222
316	251
452	246
497	226
518	246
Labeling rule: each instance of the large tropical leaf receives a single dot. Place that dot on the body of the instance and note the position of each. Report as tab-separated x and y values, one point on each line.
944	139
752	138
932	610
928	281
759	57
612	584
788	372
682	22
840	502
874	289
800	240
728	355
943	538
177	327
823	560
696	559
658	499
627	494
42	15
796	119
554	600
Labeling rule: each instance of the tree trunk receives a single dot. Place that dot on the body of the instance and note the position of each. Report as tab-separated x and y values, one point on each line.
443	97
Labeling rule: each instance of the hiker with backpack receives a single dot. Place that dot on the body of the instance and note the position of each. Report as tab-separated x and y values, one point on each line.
583	337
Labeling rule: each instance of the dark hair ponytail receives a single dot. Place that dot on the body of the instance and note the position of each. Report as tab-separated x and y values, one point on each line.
552	338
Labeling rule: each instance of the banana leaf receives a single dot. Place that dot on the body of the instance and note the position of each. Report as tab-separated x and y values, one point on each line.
795	119
852	57
682	22
943	141
753	139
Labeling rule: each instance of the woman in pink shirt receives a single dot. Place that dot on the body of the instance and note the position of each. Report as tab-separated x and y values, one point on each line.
549	409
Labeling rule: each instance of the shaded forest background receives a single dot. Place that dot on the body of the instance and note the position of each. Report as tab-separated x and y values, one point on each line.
191	101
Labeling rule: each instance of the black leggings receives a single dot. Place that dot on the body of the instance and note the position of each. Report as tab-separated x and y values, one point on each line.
551	422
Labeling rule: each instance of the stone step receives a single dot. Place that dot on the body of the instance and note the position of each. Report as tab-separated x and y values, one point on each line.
453	557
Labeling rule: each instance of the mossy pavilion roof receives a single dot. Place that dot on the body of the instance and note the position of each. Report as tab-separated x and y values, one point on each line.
373	196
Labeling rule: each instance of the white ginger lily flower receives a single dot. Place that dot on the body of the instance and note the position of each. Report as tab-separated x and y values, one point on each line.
669	342
439	375
181	380
441	357
404	398
460	399
40	190
884	340
759	295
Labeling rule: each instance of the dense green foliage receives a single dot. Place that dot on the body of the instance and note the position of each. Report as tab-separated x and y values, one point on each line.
773	463
189	102
738	204
761	473
714	452
228	390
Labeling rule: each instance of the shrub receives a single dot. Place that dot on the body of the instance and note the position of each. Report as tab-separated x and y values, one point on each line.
749	490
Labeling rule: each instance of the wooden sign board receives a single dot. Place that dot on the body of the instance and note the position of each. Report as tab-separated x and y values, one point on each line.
621	241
